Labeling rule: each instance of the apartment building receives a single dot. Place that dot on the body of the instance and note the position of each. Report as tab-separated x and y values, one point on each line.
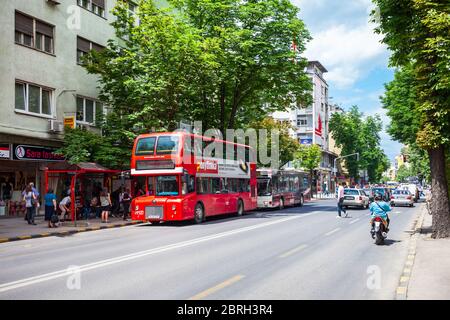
43	83
311	124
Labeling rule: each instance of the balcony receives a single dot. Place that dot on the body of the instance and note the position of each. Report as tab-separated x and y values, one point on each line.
304	129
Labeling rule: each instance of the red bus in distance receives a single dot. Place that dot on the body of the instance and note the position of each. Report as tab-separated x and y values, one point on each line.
182	176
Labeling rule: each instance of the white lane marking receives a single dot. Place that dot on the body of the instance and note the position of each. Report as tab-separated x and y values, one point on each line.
291	252
95	265
332	231
356	220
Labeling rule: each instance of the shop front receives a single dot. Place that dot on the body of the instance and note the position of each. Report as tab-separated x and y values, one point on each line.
21	164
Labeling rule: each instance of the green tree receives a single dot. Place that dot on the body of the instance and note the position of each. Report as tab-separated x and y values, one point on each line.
355	133
403	173
81	145
418	34
308	158
286	144
223	62
418	160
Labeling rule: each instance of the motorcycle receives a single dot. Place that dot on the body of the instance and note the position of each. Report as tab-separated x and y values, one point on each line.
379	230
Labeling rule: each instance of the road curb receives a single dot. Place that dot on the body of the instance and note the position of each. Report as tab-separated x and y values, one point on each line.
401	292
66	233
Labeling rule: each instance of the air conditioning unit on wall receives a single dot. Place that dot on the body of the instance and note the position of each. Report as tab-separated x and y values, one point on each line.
55	126
54	2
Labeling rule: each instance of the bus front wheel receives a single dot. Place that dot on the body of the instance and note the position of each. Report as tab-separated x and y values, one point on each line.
199	214
302	200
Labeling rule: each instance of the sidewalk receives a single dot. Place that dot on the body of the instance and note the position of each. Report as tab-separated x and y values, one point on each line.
430	274
16	228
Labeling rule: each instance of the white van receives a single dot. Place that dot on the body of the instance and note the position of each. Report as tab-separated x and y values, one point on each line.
412	188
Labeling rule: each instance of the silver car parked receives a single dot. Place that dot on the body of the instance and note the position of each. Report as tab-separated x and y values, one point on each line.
355	198
402	198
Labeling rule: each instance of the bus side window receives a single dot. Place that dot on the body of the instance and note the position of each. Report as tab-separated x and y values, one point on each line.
274	184
191	184
215	185
224	185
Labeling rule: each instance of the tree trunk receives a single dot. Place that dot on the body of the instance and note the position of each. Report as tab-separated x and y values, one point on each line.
440	207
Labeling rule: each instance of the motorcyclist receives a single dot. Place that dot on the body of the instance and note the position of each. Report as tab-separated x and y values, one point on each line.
380	208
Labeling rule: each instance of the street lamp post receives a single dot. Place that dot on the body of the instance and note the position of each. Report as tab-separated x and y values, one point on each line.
334	165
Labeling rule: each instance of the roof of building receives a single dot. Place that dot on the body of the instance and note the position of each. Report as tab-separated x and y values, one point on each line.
318	65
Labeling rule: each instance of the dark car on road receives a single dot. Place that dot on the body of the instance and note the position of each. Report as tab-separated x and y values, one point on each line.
384	192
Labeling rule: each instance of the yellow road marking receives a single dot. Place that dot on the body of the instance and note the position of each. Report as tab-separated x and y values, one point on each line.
24	237
45	234
401	290
216	288
291	252
4	239
407	270
404	279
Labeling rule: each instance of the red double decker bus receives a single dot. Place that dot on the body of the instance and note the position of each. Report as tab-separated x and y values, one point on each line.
183	176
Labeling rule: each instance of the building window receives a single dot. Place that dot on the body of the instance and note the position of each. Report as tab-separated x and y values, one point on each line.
95	6
89	111
84	46
302	121
33	33
33	99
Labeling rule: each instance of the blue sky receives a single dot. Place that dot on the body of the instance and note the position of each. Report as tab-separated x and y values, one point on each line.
344	42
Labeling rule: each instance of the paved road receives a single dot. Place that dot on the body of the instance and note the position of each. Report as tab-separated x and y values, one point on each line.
296	253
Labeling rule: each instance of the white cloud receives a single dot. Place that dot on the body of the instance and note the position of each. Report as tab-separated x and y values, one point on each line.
348	53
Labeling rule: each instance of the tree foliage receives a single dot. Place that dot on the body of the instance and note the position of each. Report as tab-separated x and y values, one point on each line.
223	62
81	145
418	34
287	146
308	158
355	133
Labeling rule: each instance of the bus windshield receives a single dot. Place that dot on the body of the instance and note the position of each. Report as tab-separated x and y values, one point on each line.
167	145
167	186
145	146
264	187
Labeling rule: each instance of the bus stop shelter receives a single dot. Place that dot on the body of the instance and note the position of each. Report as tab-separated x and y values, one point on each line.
79	180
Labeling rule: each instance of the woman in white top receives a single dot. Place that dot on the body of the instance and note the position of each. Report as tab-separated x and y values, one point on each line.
105	203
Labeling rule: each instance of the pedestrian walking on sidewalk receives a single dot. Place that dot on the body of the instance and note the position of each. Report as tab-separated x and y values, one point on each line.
50	208
30	203
340	200
105	202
